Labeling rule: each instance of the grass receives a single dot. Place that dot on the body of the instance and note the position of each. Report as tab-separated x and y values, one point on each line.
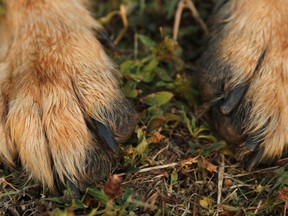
174	163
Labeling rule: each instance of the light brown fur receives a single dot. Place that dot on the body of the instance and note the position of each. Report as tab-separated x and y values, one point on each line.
54	77
250	46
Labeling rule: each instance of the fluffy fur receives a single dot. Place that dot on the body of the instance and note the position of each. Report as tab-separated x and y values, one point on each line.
56	82
244	75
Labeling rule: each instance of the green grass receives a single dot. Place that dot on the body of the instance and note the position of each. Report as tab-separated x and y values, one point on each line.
174	163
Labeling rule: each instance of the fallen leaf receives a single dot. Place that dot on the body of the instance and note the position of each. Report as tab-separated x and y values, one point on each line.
113	187
155	123
209	166
156	137
283	194
189	161
205	202
228	182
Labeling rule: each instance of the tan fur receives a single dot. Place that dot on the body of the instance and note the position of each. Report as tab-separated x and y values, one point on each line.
245	32
54	76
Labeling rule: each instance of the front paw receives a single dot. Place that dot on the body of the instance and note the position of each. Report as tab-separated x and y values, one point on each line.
244	76
62	112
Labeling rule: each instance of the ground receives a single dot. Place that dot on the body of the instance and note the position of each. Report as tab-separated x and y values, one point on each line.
174	163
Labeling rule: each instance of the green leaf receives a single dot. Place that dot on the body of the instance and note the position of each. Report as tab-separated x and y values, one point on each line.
158	98
174	176
141	148
127	66
154	111
187	122
127	193
151	65
230	208
163	75
187	88
77	204
165	85
145	75
98	194
146	41
54	199
171	117
129	89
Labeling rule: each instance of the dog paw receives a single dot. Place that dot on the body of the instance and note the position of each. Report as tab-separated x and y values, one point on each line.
244	75
62	111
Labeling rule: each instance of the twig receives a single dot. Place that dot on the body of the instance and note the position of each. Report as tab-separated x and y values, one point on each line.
122	12
258	206
251	173
159	152
123	15
186	4
177	19
153	168
195	14
158	167
230	195
186	211
220	182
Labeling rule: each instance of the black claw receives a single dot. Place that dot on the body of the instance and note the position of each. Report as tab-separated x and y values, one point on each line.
254	140
253	159
75	189
233	98
60	187
252	143
105	134
104	39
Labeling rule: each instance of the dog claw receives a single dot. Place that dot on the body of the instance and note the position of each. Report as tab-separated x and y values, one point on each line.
233	98
252	143
104	39
74	189
253	159
105	134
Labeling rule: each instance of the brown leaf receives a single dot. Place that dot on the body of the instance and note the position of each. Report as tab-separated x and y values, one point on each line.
189	161
155	123
228	182
113	187
156	137
209	166
283	194
186	165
